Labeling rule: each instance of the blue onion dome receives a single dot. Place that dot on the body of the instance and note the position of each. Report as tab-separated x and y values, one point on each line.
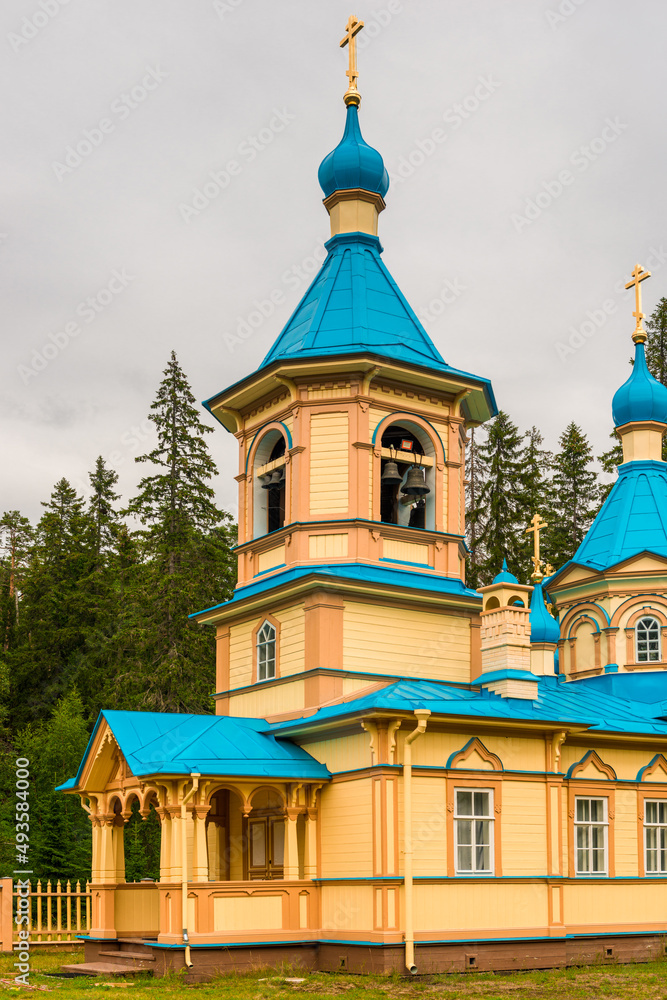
640	398
353	163
505	576
543	627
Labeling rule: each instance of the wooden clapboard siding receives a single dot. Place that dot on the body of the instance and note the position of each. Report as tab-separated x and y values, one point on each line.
412	643
470	906
429	825
241	652
345	753
626	846
346	829
347	908
616	903
262	701
330	546
524	828
329	464
292	639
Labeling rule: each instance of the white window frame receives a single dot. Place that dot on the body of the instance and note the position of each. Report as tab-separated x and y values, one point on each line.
589	824
488	818
644	655
660	829
266	651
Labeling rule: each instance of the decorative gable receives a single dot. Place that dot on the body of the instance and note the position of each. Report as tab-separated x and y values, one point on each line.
592	767
474	756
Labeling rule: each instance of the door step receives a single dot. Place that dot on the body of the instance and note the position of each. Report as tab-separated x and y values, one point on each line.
102	969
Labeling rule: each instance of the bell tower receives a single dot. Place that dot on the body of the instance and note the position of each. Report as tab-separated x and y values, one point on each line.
351	478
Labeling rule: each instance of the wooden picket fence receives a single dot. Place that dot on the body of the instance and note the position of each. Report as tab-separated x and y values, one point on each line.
58	912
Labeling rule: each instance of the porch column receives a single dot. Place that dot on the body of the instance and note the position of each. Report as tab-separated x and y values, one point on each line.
291	863
118	840
165	844
107	860
97	834
310	860
175	851
200	846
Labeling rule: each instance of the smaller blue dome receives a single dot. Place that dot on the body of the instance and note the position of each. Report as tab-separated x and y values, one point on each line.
505	576
640	398
543	627
353	163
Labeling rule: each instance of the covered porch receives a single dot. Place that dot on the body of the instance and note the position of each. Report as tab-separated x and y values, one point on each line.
238	813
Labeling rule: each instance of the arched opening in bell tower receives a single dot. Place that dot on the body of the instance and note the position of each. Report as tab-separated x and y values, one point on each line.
269	484
407	483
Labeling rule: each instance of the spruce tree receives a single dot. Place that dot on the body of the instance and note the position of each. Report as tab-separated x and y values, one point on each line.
17	536
656	345
476	477
169	662
503	499
537	464
55	607
575	496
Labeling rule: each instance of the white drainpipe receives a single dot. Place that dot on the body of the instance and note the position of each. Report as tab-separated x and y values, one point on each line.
421	715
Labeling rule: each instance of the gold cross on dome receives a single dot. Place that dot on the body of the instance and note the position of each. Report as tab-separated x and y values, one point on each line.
352	28
638	275
537	525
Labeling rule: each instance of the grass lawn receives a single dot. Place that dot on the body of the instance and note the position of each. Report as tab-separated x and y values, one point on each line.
615	982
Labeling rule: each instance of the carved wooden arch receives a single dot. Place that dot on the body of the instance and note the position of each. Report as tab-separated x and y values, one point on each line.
474	745
657	603
592	758
243	794
284	431
576	624
272	620
659	762
647	612
439	458
589	608
268	787
401	416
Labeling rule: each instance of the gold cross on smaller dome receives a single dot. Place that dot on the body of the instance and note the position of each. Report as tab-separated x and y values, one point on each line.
537	525
352	28
638	275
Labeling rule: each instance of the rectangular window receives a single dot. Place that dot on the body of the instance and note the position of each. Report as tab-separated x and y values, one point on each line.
473	826
590	830
655	836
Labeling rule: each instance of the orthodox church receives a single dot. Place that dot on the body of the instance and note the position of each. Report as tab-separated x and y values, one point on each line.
401	773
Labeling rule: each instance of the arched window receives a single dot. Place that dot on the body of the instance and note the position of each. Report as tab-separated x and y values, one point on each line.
269	485
647	640
266	652
414	508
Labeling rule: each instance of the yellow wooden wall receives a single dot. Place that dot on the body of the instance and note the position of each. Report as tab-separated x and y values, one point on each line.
523	828
329	464
346	829
403	641
346	753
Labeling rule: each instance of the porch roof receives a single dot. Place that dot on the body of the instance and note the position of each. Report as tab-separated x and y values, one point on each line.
155	743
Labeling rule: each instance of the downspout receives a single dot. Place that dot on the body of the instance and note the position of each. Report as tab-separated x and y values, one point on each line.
421	715
184	865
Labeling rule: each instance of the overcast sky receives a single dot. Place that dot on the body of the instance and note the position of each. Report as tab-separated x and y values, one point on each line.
159	186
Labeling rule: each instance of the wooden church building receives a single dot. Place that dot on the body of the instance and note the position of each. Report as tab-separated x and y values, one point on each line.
401	773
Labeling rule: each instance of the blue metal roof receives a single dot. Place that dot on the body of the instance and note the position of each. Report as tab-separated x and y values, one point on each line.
543	627
633	519
505	576
168	743
355	572
353	163
594	702
640	398
354	306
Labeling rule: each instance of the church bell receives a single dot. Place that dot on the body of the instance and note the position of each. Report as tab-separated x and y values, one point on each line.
273	480
415	484
391	476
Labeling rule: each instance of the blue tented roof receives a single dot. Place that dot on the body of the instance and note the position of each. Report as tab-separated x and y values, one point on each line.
633	518
593	702
169	743
354	306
